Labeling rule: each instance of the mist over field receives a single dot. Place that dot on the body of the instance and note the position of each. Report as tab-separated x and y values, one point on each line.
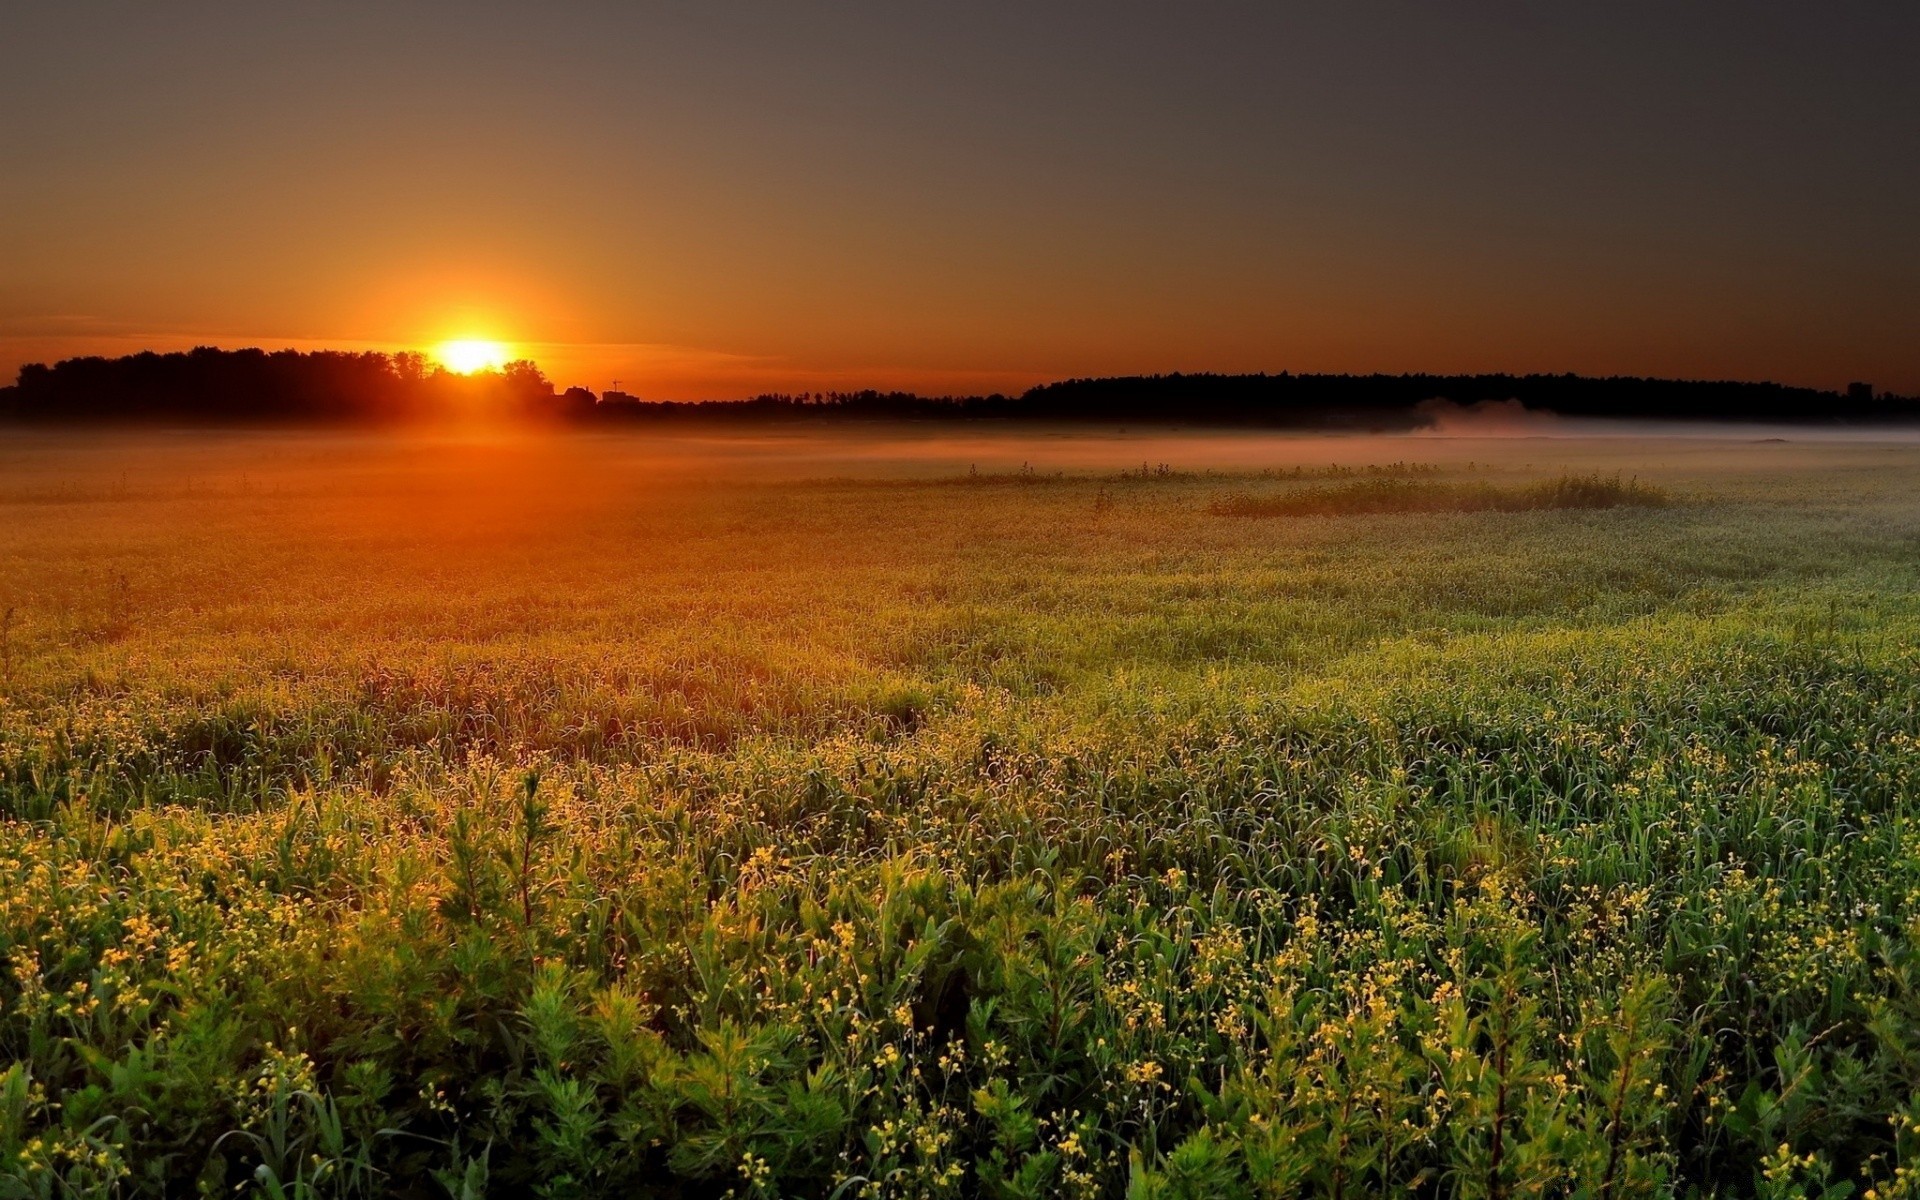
513	459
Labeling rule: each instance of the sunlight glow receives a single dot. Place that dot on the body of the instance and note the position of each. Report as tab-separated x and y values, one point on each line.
467	355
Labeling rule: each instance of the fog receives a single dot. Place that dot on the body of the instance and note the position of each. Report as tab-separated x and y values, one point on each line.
1511	419
47	466
81	510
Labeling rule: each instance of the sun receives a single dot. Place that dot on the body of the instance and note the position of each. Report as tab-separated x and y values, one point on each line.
464	356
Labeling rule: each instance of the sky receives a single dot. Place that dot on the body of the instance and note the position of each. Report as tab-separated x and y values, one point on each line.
706	200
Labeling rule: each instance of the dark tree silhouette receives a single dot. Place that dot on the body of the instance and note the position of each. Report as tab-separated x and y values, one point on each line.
256	386
240	386
1363	402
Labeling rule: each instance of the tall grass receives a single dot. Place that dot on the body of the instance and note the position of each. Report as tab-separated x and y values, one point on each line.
1399	495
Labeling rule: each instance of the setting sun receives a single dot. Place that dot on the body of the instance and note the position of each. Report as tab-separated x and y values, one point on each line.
468	355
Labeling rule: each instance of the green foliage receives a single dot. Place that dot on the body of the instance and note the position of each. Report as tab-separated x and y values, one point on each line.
964	838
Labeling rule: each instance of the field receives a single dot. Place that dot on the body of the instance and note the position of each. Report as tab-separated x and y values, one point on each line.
891	814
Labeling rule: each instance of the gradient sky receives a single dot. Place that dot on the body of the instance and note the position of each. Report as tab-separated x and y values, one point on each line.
716	199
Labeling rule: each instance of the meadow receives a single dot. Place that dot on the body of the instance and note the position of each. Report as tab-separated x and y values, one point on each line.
910	813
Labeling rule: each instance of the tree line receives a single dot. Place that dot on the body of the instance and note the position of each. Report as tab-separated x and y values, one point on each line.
257	386
212	386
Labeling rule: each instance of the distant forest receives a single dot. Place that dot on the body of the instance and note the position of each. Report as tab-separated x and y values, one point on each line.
212	386
282	386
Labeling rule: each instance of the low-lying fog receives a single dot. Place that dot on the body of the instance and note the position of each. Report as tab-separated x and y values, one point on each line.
500	496
52	465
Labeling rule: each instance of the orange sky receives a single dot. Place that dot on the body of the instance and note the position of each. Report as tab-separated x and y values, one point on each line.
715	201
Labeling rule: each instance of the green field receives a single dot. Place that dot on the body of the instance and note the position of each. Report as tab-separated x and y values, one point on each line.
899	814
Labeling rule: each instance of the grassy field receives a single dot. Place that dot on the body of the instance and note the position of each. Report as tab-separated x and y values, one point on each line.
688	815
